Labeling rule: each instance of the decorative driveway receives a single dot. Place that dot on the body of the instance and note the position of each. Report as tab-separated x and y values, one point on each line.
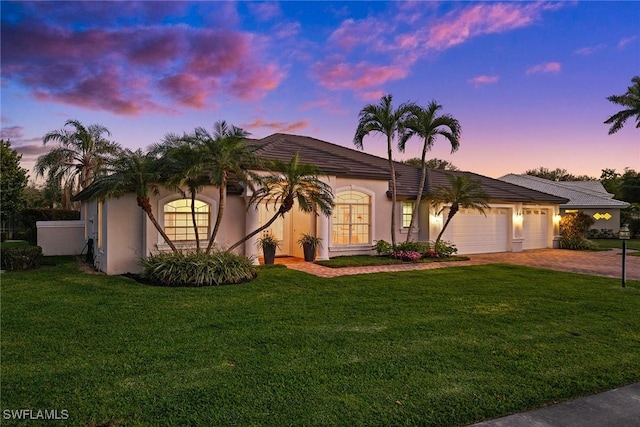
599	263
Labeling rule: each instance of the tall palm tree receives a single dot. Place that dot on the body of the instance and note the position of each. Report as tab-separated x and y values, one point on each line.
383	118
131	172
80	156
462	192
428	124
183	167
631	103
291	182
224	155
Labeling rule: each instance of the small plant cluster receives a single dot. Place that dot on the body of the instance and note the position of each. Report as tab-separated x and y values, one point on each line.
414	251
603	233
197	269
21	257
573	229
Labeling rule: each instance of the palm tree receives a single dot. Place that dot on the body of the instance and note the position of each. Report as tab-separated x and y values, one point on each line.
183	167
131	172
291	182
80	156
631	103
462	192
224	155
427	124
382	118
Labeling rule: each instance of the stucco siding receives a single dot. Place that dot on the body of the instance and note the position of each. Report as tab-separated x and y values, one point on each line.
61	237
122	235
602	223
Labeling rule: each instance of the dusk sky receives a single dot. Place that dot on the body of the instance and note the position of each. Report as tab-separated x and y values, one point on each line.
527	80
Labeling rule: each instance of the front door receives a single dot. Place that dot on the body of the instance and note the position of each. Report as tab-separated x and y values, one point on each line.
279	228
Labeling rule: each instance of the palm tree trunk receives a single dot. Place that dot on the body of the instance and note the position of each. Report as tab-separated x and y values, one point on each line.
281	211
416	208
143	202
452	211
221	206
193	219
394	197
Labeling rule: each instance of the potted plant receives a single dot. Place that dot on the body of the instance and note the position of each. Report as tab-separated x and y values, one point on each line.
268	244
309	245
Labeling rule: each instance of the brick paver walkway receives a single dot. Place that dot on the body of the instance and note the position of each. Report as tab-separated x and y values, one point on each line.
604	263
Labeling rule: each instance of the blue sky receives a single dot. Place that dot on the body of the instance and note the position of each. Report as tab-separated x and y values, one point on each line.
527	80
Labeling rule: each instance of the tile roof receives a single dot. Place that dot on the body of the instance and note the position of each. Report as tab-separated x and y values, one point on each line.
578	195
341	161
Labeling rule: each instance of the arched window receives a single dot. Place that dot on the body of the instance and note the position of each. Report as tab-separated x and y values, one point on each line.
178	223
352	218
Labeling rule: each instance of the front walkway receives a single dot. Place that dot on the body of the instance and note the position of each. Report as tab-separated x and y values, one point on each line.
600	263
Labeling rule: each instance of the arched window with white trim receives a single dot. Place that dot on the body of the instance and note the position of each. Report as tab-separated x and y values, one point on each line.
178	223
351	220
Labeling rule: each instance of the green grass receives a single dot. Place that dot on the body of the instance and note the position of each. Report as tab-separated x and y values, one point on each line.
13	244
617	243
371	260
431	348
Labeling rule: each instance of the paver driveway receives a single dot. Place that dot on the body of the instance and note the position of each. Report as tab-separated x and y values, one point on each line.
601	263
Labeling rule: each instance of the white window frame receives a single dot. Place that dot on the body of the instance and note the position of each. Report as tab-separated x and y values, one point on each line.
371	222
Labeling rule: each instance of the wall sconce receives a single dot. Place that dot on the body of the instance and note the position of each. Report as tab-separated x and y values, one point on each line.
557	218
436	219
518	218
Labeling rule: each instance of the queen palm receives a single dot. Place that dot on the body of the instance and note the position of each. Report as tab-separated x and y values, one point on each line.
383	118
630	101
462	192
80	156
427	123
223	155
131	172
183	167
290	183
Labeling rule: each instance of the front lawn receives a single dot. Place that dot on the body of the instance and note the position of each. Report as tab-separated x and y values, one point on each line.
372	260
432	348
617	243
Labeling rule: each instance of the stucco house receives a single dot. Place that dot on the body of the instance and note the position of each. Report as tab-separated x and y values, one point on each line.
519	218
588	197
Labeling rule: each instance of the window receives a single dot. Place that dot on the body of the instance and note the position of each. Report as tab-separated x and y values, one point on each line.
178	223
407	212
352	219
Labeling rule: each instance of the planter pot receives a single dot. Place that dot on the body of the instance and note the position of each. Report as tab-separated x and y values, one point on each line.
309	252
269	255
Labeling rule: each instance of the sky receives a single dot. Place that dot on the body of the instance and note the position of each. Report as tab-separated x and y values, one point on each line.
528	81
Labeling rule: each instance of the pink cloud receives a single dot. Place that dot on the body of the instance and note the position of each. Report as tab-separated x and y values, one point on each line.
547	67
484	80
624	42
335	74
484	18
281	127
368	32
120	70
265	11
586	51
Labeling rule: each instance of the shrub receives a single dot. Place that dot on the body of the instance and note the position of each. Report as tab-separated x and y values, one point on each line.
634	227
406	255
21	257
197	269
575	224
576	243
413	247
443	249
383	248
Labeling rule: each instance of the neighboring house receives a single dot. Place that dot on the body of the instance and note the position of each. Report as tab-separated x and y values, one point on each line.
588	197
519	218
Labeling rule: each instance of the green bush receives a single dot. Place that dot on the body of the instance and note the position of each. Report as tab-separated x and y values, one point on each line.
634	227
575	224
413	247
21	257
577	243
197	269
383	247
444	249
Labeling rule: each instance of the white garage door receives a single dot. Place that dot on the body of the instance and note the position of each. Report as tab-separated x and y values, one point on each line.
535	228
474	233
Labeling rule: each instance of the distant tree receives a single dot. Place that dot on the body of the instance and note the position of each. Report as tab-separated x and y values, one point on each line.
434	163
13	181
610	180
462	192
557	175
630	102
383	118
428	124
630	186
80	156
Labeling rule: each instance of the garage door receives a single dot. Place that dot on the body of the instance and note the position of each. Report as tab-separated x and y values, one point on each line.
474	233
535	228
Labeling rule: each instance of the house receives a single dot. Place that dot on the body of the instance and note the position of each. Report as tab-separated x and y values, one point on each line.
588	197
519	218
